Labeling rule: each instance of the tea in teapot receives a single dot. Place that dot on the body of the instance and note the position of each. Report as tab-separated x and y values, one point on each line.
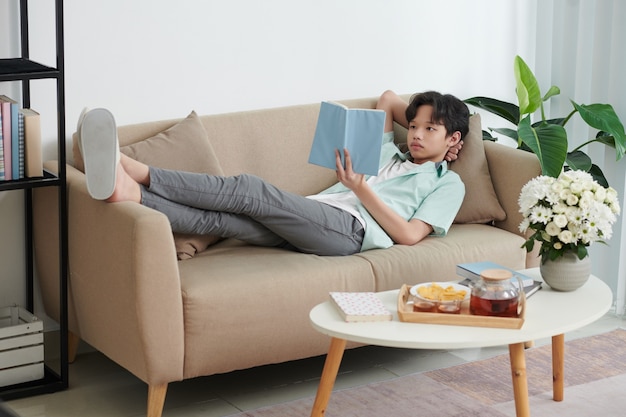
495	294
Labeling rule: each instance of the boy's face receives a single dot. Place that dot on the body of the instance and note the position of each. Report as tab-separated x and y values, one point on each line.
427	140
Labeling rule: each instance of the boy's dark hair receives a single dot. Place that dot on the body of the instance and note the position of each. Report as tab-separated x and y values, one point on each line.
448	110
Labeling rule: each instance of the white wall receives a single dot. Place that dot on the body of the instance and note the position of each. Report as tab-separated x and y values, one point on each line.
155	59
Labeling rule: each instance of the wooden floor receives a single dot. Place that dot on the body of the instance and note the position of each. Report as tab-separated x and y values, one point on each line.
99	388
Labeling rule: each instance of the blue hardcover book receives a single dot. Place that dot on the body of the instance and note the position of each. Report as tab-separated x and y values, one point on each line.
20	135
358	130
472	270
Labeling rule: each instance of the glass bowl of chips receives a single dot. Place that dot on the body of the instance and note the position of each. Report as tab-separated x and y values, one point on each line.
443	297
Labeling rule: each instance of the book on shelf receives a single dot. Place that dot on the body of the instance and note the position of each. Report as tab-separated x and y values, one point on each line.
471	272
5	109
14	135
20	142
360	131
1	151
33	162
360	306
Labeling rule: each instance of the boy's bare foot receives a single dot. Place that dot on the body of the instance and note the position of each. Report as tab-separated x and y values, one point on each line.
126	188
138	171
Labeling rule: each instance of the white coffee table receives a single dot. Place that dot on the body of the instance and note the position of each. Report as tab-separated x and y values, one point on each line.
548	314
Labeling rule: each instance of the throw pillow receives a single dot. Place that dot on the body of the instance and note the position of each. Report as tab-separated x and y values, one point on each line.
480	204
184	146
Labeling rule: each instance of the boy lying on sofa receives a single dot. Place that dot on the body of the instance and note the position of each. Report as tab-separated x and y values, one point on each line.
414	194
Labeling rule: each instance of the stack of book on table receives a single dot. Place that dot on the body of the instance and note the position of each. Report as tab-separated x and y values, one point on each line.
471	272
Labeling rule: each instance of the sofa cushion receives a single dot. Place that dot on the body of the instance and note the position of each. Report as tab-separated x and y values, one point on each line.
184	146
238	297
480	204
435	258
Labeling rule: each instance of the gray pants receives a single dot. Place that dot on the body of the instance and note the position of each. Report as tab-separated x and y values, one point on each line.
247	208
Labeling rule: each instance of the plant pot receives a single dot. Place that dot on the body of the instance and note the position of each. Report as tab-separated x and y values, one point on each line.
566	273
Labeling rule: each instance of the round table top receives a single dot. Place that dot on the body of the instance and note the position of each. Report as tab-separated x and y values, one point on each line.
548	313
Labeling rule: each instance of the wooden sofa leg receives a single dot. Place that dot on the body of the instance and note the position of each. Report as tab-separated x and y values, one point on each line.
156	399
72	346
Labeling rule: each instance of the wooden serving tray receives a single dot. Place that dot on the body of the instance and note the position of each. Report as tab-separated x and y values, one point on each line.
406	313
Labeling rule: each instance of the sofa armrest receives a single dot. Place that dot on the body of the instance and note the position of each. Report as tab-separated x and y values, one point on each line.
510	170
124	283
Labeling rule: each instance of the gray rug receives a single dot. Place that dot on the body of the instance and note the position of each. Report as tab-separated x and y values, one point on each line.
595	382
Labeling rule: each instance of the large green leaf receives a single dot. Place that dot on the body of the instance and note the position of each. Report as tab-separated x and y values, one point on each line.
578	160
527	88
598	175
605	139
548	142
603	117
507	111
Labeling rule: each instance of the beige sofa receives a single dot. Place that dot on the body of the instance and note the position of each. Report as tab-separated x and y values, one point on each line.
234	306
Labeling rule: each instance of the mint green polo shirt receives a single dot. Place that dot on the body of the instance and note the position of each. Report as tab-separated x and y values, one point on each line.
429	192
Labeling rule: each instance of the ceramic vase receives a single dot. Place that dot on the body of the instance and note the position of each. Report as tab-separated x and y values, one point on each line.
566	273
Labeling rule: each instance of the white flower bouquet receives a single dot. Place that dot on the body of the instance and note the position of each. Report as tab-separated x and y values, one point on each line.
567	214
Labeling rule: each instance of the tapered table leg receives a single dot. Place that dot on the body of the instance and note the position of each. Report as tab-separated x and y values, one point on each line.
558	366
520	383
329	375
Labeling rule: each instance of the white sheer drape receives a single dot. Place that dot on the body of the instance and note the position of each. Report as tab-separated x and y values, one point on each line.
580	46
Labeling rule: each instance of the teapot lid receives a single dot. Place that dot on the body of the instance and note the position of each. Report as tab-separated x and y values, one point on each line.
496	274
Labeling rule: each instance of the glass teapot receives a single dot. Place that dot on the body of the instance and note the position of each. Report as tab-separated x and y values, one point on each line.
496	294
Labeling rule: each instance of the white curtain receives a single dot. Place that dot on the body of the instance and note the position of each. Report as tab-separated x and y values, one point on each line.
580	46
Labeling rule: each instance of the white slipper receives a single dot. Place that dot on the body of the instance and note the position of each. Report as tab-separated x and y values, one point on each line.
97	141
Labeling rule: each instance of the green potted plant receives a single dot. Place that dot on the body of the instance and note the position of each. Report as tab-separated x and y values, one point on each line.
547	138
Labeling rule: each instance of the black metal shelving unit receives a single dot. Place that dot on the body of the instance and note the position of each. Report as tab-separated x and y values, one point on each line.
23	69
